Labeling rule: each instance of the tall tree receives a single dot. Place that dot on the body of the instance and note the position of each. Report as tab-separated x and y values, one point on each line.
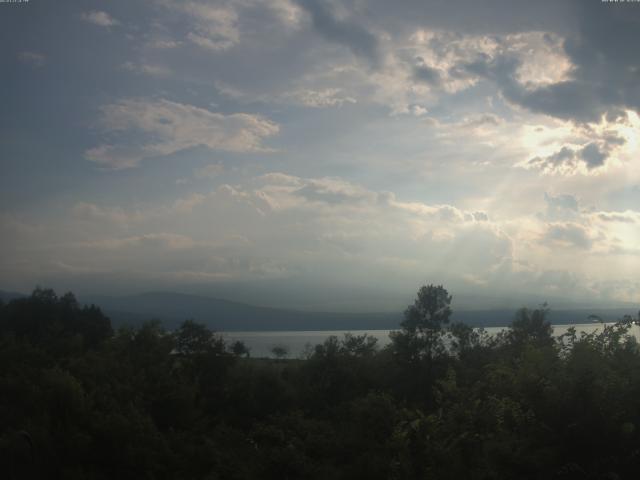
422	324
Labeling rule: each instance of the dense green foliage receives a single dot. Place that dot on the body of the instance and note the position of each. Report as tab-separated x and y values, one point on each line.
441	401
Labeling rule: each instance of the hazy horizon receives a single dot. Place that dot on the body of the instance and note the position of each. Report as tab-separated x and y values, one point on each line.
327	155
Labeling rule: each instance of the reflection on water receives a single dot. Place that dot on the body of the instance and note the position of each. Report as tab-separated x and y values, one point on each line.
296	342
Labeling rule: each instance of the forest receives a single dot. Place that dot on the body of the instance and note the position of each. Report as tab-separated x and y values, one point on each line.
79	400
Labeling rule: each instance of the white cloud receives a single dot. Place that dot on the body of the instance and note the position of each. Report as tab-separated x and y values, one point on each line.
147	69
273	226
280	225
163	43
100	18
156	241
328	97
92	212
586	149
467	120
287	11
174	126
216	26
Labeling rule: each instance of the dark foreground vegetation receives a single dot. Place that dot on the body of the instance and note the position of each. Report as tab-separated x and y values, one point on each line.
443	401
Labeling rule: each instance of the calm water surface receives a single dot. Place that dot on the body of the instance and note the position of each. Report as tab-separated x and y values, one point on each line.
296	342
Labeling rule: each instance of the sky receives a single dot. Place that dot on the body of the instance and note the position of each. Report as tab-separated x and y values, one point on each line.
328	154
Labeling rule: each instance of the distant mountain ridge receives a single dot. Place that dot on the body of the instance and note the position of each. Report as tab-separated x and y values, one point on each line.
223	315
8	296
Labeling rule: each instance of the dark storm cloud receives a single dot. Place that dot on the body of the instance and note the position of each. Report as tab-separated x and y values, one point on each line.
563	157
606	71
571	100
568	100
612	139
474	16
593	156
599	39
346	32
604	52
425	73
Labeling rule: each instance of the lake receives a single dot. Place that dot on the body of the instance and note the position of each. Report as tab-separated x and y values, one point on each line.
296	342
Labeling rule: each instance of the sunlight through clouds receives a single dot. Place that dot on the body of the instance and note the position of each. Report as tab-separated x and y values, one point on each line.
195	143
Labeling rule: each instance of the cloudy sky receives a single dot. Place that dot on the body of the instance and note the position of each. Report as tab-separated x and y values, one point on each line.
322	154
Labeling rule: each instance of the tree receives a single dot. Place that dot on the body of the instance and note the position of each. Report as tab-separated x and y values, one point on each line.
280	351
239	349
430	311
193	338
59	324
532	327
422	324
359	345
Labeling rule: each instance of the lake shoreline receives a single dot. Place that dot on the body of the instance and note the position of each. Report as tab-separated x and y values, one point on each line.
296	342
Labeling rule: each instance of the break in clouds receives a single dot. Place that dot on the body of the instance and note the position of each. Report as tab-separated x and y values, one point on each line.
368	145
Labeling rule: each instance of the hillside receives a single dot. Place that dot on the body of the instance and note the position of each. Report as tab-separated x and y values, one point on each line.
223	315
